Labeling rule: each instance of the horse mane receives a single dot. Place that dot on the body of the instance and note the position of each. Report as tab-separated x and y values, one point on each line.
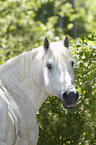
23	60
59	52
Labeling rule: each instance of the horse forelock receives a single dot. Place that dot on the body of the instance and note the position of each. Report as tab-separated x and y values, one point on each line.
60	53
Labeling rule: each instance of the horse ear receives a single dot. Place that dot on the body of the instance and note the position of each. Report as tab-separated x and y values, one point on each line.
46	43
66	41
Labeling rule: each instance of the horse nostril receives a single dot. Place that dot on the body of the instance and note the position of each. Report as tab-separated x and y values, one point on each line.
77	95
65	95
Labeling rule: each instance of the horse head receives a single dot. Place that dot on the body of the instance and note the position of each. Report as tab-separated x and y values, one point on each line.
58	72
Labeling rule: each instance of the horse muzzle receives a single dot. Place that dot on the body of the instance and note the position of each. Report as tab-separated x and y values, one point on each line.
69	99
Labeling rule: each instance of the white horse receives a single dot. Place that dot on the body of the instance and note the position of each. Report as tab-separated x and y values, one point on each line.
25	83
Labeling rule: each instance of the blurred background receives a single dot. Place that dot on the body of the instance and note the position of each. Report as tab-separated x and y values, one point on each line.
23	26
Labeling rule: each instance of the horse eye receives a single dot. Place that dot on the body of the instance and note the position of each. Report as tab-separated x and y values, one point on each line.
72	63
49	65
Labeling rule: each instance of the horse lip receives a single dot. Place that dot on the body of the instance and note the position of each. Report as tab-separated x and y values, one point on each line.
71	106
67	106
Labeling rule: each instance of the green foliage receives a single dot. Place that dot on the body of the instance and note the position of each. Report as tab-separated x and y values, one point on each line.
18	30
58	9
86	16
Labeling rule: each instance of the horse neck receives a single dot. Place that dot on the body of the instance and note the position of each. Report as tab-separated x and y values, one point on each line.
25	87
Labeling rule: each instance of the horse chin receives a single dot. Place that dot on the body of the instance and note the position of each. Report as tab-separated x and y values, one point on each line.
69	107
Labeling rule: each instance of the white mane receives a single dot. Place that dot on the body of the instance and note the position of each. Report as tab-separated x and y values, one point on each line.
23	60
